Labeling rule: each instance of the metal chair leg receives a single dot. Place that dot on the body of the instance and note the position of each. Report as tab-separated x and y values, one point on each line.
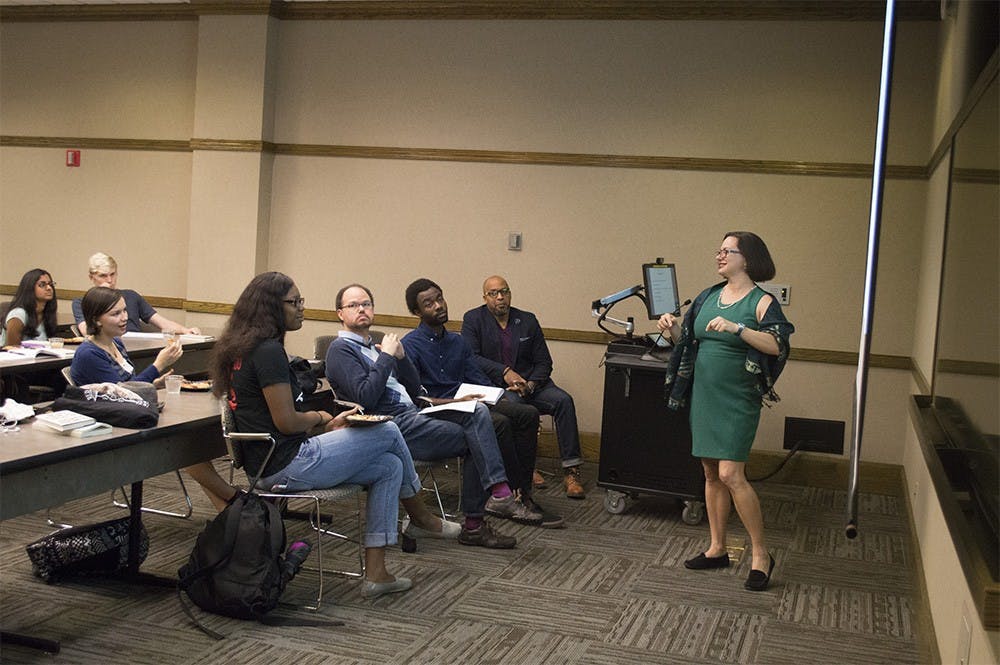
156	511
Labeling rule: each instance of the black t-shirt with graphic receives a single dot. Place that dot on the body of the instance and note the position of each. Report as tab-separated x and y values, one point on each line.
266	365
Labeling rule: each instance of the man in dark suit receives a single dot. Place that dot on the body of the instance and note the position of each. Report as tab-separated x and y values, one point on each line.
509	345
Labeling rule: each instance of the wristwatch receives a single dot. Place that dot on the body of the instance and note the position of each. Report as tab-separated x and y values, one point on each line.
739	329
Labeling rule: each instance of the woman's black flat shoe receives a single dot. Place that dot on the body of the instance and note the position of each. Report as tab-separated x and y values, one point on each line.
702	562
758	580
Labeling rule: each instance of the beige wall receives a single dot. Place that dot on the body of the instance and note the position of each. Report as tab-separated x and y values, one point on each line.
739	90
952	606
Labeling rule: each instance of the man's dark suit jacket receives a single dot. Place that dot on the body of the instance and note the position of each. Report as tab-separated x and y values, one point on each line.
531	354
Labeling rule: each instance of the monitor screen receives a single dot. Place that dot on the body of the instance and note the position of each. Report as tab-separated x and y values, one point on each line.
660	282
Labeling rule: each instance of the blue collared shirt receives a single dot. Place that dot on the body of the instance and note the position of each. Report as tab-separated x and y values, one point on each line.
444	361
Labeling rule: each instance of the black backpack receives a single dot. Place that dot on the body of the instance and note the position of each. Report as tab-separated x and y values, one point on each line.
237	568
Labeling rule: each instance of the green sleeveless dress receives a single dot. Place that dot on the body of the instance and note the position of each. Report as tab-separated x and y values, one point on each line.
725	404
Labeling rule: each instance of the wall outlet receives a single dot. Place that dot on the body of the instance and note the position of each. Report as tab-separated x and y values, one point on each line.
815	435
782	292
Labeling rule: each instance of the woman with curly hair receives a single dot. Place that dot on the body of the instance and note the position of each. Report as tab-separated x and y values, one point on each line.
314	449
32	313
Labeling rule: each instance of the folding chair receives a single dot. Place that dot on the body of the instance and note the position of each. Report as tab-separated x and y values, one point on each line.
316	497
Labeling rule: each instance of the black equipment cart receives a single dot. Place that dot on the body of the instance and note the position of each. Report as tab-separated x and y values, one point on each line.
645	447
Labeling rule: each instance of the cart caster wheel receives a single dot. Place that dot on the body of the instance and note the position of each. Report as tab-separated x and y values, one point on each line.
693	512
614	502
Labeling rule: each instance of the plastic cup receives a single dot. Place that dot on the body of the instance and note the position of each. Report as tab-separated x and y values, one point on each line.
56	342
174	382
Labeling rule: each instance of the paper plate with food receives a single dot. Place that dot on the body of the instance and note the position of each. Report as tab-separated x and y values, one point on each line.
196	386
367	419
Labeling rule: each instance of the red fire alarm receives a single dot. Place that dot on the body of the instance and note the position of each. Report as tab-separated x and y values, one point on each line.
72	158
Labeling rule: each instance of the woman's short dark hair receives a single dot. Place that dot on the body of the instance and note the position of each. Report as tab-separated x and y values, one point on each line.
25	298
97	301
760	265
339	300
416	288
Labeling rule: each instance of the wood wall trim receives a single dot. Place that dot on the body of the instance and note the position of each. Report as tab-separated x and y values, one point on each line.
602	10
825	356
161	145
231	145
968	367
986	77
778	167
653	162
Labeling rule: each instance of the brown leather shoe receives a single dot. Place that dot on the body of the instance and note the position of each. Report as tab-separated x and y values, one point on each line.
537	479
574	487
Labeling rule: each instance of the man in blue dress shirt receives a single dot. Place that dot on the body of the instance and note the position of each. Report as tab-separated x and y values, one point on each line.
445	361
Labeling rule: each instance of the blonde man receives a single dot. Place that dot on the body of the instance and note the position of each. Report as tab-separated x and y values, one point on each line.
104	272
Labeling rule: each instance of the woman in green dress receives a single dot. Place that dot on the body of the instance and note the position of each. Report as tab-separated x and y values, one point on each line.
729	350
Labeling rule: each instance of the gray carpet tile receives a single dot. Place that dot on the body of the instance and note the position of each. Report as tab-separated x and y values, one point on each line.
463	641
851	610
572	570
794	644
891	548
710	633
606	590
569	612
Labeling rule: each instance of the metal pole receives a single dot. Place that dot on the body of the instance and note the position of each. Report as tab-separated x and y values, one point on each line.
874	223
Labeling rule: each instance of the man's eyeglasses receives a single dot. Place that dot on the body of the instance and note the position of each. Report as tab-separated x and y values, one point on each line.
44	285
493	293
355	306
295	302
724	252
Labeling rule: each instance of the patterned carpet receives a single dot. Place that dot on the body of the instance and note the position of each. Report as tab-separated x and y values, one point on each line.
607	589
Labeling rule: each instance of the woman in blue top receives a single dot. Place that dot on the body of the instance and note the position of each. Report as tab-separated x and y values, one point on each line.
32	313
102	358
313	449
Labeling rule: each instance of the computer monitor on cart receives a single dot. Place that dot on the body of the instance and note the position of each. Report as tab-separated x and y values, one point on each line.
660	281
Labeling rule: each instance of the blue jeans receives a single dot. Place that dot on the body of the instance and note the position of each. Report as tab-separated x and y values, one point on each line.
374	456
455	434
552	400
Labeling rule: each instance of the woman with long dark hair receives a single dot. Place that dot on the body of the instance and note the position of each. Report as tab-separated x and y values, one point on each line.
32	313
730	349
314	449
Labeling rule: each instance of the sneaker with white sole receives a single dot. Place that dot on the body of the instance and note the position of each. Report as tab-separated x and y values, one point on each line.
511	508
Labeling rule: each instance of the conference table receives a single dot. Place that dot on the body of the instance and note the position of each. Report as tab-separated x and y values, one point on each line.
41	469
141	350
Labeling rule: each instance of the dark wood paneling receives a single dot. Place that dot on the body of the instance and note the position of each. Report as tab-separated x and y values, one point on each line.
603	10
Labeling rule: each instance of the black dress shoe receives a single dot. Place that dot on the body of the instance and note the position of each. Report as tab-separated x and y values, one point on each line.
758	580
702	562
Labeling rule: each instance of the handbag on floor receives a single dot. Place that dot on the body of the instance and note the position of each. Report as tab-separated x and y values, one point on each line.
90	549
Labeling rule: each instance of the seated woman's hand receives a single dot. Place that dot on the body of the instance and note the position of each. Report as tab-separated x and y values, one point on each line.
161	381
338	421
168	355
